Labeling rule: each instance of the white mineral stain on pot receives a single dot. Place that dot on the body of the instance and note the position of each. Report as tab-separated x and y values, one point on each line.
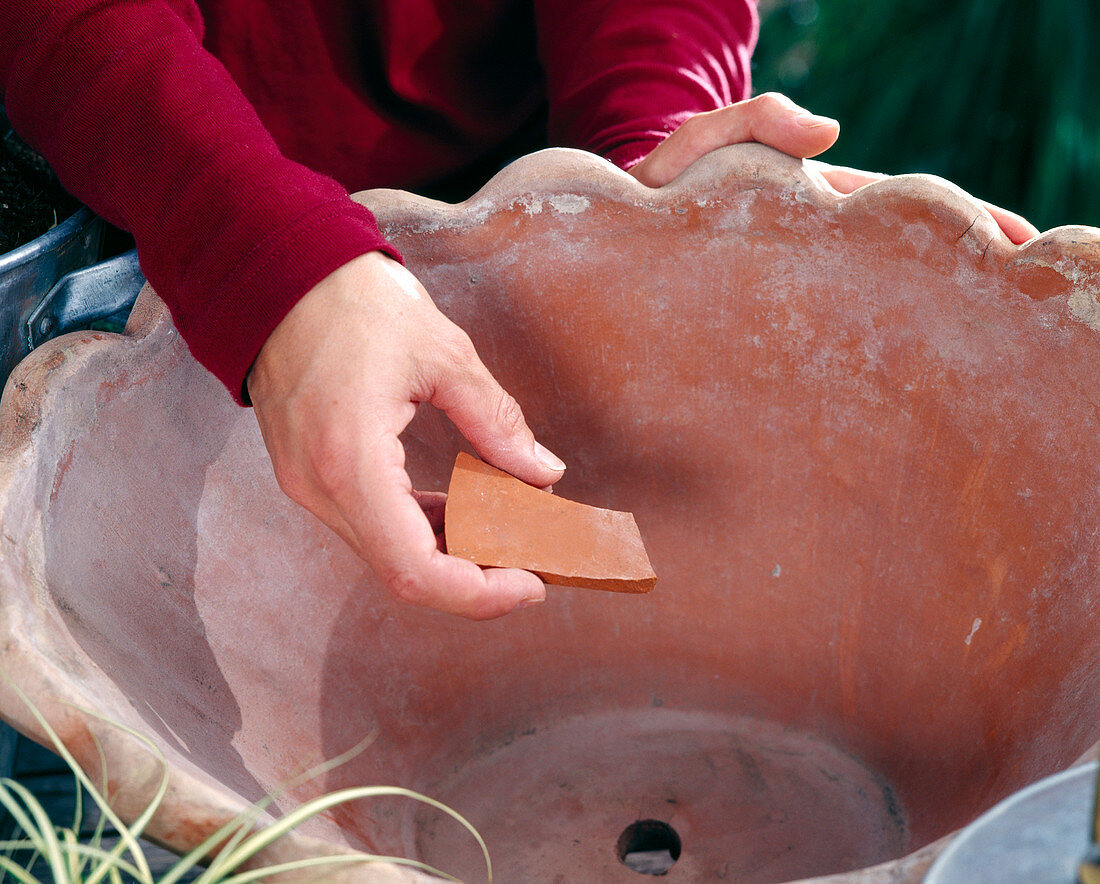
568	203
1084	308
532	205
919	236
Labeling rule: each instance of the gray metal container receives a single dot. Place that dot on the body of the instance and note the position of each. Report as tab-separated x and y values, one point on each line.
30	271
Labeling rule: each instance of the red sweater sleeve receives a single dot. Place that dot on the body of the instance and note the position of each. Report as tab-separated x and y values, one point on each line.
147	128
623	74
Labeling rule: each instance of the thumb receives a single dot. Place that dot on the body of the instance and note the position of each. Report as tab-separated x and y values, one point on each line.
492	421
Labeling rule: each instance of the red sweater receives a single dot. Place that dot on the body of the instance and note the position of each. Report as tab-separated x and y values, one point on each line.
226	134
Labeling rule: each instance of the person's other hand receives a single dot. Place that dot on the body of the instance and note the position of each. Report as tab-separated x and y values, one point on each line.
334	386
778	122
844	180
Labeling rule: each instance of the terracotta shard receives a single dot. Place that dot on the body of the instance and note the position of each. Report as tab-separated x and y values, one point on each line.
498	521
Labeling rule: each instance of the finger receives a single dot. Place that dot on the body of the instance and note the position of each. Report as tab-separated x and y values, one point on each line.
461	587
493	422
775	120
845	180
1017	228
393	534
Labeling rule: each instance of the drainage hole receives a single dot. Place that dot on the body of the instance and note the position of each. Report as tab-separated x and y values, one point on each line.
648	847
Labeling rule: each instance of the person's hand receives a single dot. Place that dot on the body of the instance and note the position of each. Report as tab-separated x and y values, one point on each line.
778	122
334	386
770	119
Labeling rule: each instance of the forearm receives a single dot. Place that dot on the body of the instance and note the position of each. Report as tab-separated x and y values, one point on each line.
623	74
148	129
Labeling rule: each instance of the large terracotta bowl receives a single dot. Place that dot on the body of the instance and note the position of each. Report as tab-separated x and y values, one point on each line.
857	434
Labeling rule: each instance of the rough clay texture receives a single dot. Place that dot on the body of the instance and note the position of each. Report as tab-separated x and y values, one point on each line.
498	521
857	431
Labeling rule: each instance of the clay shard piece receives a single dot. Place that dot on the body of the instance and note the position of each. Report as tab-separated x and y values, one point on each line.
498	521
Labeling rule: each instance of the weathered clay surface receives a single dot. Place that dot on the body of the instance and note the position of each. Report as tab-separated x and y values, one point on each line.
497	521
858	431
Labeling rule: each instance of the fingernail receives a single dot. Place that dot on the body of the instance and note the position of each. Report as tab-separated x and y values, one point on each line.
548	459
813	121
531	602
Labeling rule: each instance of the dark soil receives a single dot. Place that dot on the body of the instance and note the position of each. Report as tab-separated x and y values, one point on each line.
31	200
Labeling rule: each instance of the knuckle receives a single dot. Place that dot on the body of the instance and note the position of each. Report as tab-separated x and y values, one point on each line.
509	415
456	355
772	103
457	344
694	127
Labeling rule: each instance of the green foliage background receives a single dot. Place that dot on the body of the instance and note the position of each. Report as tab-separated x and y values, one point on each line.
998	96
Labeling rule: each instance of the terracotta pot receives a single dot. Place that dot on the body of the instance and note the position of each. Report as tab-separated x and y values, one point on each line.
855	434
